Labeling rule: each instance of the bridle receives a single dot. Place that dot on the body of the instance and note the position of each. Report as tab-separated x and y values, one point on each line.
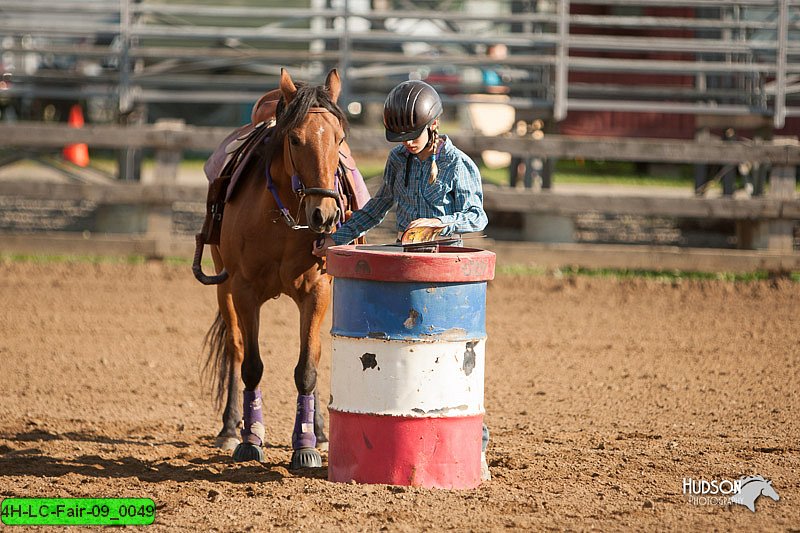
298	188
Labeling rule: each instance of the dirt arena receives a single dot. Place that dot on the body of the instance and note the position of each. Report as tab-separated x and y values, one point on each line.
602	395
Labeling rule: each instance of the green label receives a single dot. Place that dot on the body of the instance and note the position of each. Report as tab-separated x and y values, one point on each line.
78	511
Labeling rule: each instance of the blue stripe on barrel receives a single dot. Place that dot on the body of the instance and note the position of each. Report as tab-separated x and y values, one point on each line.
409	311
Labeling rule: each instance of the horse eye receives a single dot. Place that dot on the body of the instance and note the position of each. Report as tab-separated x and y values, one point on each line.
294	140
342	141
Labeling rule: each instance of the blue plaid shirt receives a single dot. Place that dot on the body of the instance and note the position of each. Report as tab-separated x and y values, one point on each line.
455	198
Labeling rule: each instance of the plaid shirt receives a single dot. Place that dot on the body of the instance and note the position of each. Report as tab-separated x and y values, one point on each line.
455	198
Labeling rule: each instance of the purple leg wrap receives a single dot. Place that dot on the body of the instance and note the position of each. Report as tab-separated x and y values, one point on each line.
253	426
303	434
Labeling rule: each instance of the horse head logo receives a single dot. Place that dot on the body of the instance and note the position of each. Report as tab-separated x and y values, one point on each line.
751	488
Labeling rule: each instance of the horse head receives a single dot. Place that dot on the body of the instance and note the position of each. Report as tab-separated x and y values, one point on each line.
751	488
314	127
769	491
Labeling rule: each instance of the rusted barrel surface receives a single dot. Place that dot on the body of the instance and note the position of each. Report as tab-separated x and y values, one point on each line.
407	372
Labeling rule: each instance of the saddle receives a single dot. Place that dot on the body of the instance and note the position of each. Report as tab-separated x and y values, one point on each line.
228	162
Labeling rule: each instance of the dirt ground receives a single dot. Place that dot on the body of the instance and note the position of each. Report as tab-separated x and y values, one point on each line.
601	395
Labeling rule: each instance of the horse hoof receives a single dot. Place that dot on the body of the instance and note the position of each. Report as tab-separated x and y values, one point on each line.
248	452
485	474
305	458
322	446
226	444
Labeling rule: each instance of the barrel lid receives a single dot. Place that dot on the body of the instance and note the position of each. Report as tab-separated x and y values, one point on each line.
375	263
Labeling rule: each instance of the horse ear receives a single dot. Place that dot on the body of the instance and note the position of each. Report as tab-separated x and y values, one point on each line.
287	86
334	84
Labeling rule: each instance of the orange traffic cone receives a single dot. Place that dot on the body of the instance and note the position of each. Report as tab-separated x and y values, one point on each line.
77	154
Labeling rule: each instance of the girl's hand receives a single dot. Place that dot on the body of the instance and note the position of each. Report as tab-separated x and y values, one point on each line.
321	246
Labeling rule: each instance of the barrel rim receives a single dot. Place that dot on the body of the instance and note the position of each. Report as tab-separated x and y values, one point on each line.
450	264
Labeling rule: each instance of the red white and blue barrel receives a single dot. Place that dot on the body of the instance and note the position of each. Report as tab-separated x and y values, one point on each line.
409	336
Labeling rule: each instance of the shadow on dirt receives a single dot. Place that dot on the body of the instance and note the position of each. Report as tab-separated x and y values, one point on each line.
217	467
74	436
17	464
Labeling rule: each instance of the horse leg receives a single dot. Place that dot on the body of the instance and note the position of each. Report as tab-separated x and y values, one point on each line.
228	437
312	310
220	365
247	312
225	356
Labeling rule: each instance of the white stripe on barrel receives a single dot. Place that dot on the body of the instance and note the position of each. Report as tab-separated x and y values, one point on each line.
402	378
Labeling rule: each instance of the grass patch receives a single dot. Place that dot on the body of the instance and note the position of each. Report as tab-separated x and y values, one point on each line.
657	275
72	258
576	171
184	261
495	176
668	275
521	270
371	167
45	259
502	270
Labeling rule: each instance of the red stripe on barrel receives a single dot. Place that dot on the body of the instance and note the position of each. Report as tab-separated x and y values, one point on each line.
396	450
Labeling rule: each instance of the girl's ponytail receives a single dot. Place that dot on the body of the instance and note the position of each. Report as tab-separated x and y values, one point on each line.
434	166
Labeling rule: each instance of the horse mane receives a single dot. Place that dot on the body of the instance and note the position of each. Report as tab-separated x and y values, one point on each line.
750	479
288	117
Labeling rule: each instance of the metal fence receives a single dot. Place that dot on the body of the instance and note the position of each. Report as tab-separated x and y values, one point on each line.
703	57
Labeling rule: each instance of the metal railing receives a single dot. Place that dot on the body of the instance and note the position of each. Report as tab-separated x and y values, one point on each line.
714	57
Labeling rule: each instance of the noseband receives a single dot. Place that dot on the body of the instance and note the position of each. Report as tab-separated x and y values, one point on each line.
298	188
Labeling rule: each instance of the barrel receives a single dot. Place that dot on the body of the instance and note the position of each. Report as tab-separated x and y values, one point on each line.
408	356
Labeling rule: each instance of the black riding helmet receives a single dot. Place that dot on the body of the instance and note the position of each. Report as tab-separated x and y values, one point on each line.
409	109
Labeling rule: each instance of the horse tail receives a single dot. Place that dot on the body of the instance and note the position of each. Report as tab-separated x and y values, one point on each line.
197	266
217	367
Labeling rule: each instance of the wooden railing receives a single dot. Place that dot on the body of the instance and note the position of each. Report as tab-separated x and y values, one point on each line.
177	136
765	222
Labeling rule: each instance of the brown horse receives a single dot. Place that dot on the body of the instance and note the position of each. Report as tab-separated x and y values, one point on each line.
259	258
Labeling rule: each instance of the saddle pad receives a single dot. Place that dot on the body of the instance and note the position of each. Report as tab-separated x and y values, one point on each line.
217	161
354	179
232	156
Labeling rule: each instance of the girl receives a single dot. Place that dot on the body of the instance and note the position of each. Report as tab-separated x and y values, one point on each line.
432	182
